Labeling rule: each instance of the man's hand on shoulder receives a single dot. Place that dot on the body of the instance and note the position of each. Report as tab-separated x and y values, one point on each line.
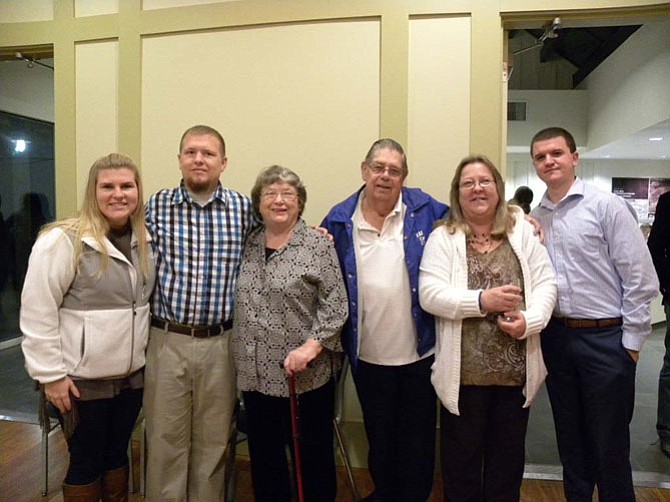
323	231
537	228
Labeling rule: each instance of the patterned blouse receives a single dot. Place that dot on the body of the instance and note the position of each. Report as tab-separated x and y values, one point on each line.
490	356
297	293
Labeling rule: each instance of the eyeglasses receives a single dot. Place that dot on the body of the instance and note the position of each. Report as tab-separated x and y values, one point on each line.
471	184
393	172
286	196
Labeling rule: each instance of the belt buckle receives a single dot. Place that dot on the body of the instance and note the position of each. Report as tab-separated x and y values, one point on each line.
207	332
199	332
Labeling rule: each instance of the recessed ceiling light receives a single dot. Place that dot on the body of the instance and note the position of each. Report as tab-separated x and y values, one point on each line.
656	138
19	145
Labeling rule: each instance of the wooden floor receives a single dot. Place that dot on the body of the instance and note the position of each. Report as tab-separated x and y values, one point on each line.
21	479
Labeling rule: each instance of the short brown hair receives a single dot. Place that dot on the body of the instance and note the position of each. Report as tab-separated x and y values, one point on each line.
203	130
554	132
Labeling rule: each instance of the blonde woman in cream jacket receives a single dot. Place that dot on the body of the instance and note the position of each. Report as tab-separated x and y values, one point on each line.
489	282
85	324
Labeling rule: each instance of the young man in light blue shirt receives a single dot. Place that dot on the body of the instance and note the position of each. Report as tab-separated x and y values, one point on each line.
606	282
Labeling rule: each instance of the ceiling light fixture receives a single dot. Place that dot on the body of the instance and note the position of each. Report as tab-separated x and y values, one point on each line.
31	61
656	138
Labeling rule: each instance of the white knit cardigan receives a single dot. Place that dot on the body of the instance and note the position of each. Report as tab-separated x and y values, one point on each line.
443	291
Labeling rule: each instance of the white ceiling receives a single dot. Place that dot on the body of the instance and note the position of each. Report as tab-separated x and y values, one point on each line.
636	146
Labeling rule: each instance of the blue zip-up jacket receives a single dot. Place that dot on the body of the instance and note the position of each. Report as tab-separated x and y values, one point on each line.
422	212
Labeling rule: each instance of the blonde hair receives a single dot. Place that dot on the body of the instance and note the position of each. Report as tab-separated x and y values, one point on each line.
503	222
90	222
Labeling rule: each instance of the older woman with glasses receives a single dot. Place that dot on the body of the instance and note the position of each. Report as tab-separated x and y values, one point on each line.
290	306
490	284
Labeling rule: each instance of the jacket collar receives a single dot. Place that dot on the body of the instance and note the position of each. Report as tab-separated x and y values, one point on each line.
413	198
110	248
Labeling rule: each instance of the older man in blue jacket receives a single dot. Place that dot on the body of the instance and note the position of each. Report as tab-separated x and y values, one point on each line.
380	233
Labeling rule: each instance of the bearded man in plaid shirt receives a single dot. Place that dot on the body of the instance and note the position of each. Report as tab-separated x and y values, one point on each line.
198	231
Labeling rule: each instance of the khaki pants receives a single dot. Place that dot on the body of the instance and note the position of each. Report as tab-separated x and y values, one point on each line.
189	401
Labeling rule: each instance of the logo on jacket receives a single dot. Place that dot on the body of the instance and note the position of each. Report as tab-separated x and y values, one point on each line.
422	238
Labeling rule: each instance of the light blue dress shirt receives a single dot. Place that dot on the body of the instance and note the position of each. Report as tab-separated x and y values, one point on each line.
602	264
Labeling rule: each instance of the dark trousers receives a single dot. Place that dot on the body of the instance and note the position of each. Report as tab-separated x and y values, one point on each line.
591	385
663	417
483	448
400	413
100	441
268	433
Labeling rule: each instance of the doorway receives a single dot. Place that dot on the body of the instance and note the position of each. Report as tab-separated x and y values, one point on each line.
546	89
27	202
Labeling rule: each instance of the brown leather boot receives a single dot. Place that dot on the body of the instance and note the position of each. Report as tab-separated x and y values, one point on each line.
82	493
115	485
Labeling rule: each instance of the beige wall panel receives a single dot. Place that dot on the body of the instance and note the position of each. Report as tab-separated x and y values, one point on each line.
164	4
21	11
305	96
96	103
84	8
439	101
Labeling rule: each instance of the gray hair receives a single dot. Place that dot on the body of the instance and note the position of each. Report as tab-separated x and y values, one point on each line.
277	174
387	144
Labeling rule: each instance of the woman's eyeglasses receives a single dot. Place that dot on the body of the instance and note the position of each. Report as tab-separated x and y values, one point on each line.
471	184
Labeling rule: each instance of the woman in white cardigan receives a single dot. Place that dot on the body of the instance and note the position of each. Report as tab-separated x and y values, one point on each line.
489	282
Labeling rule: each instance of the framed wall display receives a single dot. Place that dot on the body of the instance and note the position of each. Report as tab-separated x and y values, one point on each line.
642	194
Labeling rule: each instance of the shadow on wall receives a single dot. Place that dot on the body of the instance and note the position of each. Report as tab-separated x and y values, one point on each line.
17	235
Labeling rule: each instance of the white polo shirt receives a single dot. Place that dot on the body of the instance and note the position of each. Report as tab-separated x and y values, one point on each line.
387	333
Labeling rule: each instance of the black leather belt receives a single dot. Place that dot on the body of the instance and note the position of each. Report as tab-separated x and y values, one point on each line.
193	331
588	323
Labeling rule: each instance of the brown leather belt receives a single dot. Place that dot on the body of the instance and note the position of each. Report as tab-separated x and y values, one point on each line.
588	323
193	331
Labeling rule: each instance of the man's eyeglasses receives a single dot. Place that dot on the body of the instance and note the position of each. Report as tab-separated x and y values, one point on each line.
471	184
287	196
393	172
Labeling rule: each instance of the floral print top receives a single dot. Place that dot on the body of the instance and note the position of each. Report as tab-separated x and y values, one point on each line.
294	294
489	356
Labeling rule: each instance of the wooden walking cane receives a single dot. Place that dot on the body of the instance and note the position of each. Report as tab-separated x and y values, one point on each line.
295	429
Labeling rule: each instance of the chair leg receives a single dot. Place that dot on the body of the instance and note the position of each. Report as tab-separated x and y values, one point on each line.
45	459
131	470
143	457
345	459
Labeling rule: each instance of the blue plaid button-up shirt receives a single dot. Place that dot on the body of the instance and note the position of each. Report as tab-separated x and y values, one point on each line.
198	251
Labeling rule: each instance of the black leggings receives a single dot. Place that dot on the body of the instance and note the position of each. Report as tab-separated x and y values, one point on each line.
269	429
100	441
